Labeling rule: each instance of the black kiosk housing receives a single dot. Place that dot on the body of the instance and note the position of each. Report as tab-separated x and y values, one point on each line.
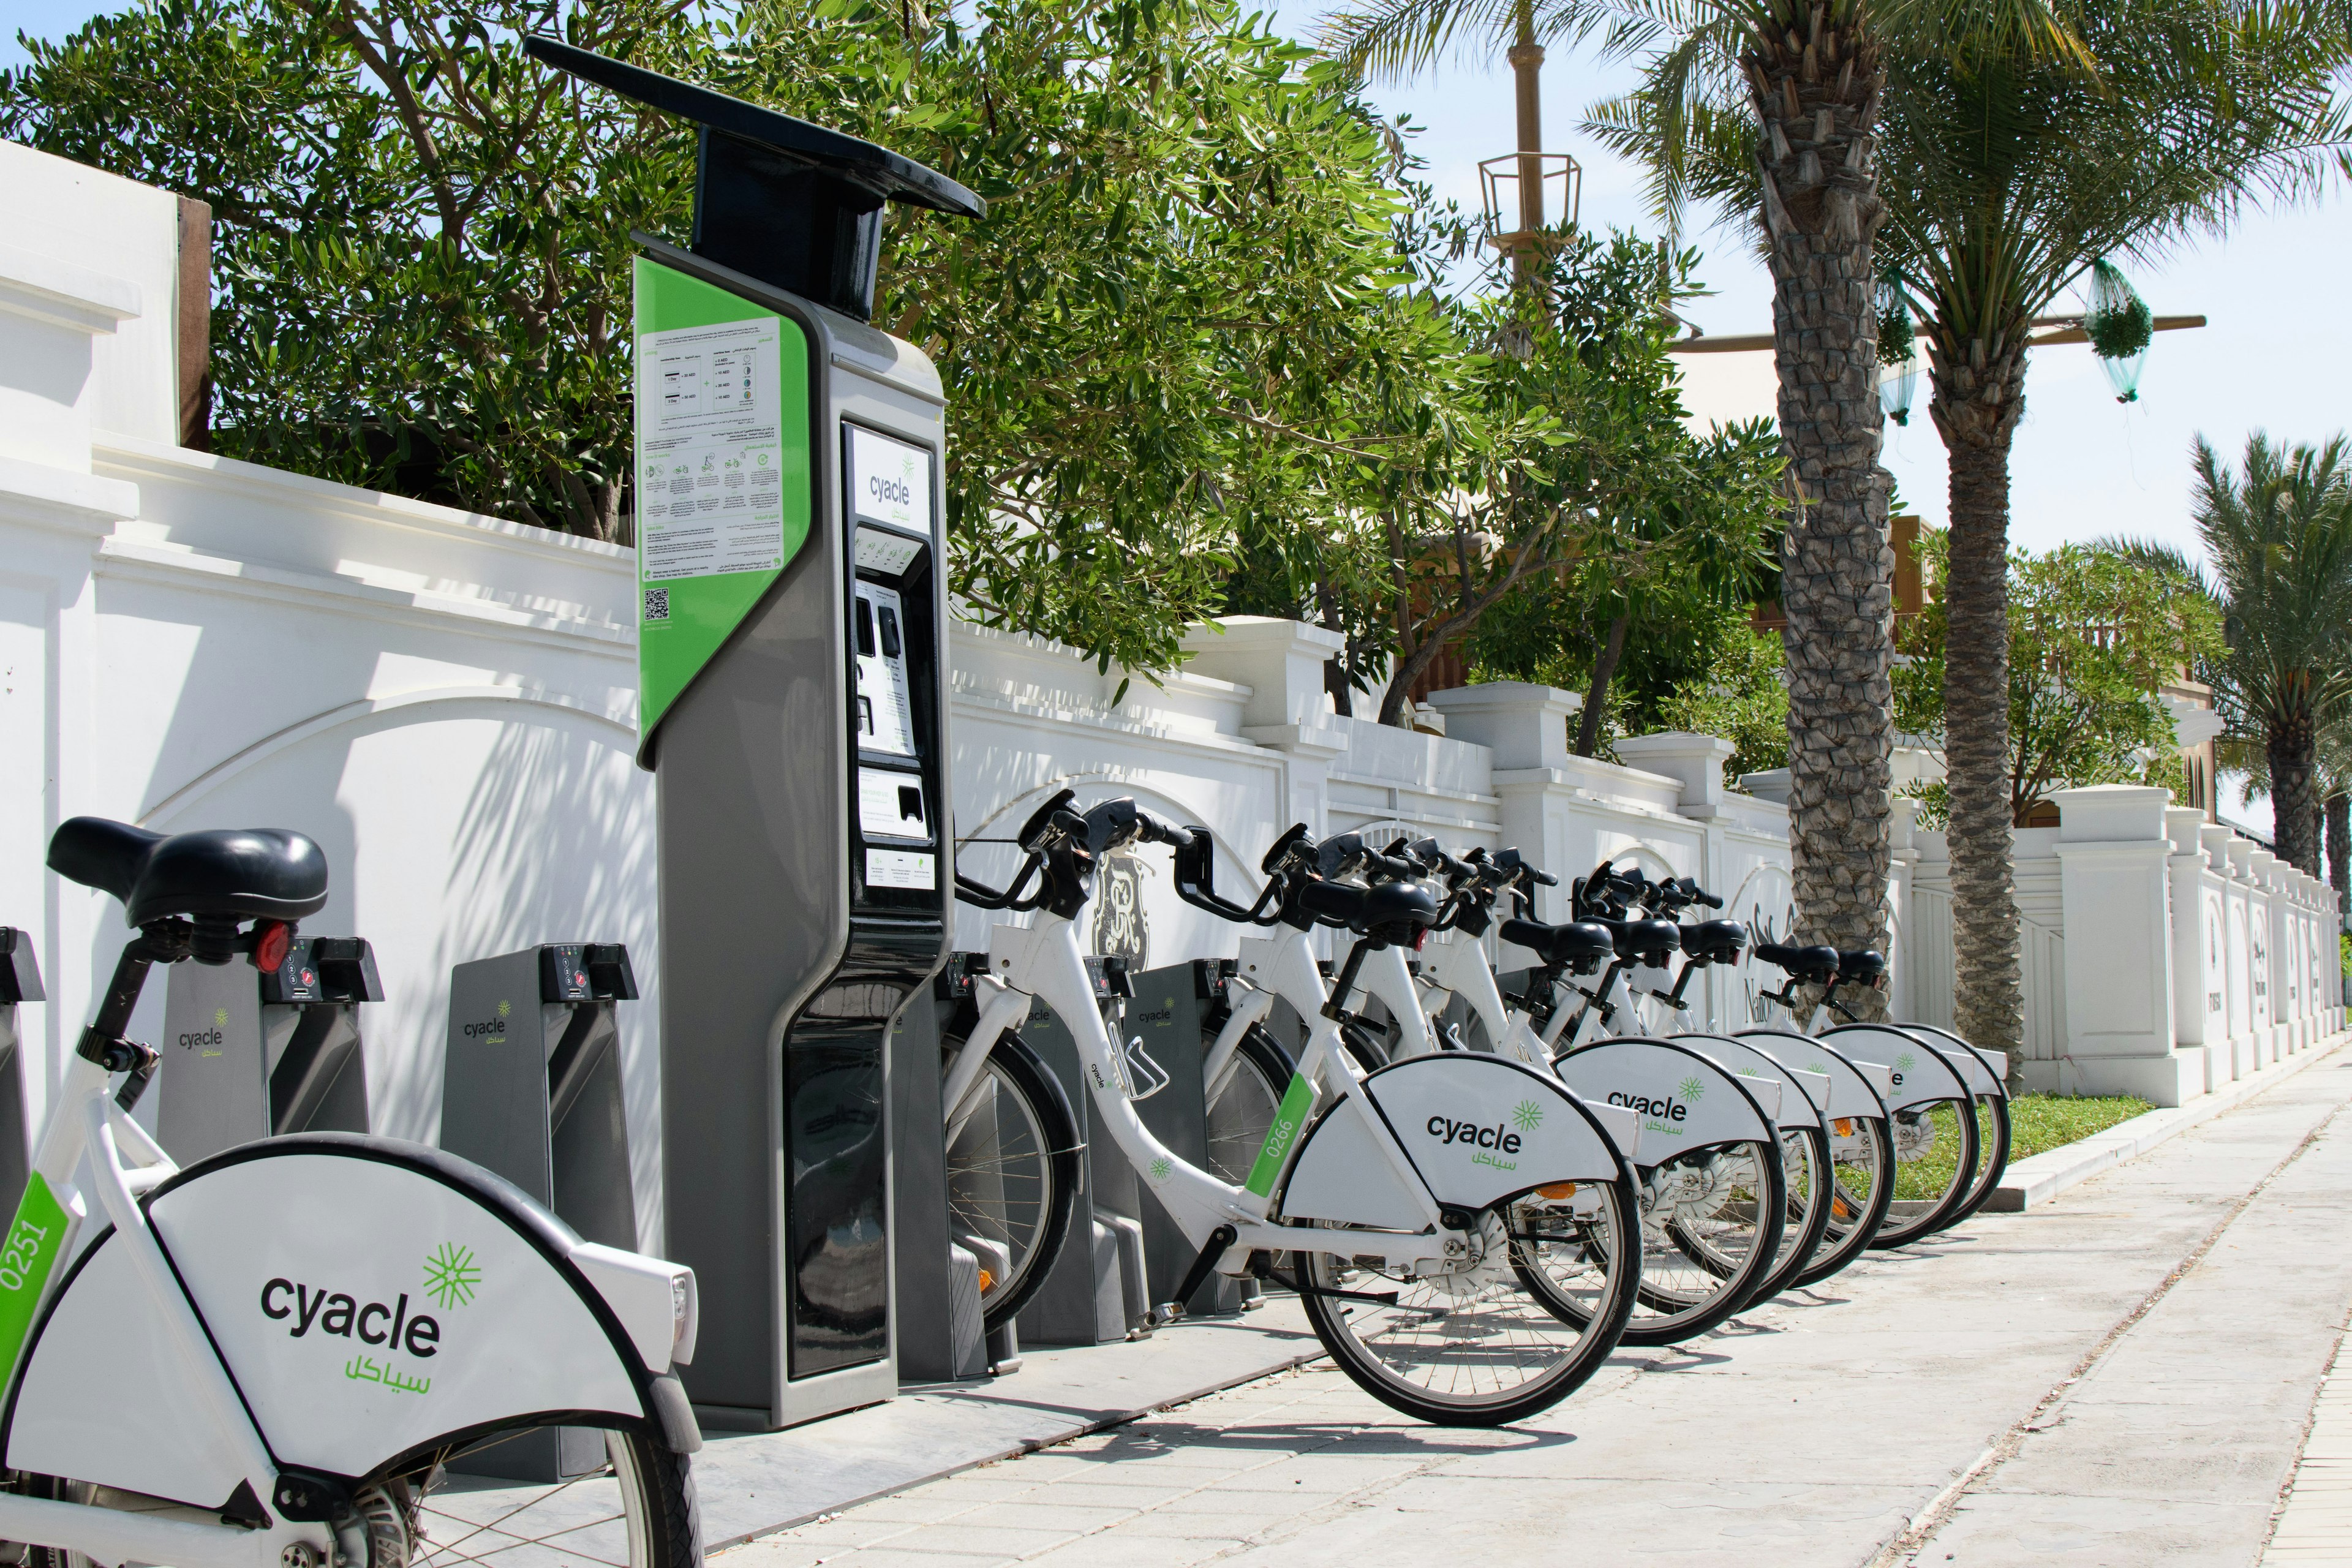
806	869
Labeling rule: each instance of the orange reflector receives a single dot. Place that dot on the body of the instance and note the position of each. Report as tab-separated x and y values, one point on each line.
987	1281
1844	1125
1557	1190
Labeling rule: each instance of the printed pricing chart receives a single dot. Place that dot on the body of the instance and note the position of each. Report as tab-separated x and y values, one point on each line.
710	451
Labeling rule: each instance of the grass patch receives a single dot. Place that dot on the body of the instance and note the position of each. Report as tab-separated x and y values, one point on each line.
2038	1123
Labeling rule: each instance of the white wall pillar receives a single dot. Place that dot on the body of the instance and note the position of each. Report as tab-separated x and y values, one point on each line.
1526	728
2228	853
1282	664
2113	856
2200	985
2262	931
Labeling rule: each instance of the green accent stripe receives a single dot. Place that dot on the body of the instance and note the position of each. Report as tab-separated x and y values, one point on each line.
705	611
1288	1119
34	1245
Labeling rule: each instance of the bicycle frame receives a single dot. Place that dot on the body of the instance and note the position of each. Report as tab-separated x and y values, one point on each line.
1044	961
85	1132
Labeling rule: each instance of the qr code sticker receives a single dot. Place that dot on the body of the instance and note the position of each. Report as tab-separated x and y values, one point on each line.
656	604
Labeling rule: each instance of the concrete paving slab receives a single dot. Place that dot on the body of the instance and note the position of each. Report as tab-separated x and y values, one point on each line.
754	1484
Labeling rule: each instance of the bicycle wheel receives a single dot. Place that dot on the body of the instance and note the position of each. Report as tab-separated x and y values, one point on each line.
1862	1167
1476	1347
636	1509
1804	1162
1993	1132
1712	1223
1241	1107
1936	1157
1013	1173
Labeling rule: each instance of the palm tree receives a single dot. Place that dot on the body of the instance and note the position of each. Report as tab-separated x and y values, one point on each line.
1797	84
2278	542
2007	172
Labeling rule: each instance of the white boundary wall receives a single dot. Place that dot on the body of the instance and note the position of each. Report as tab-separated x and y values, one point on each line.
2163	956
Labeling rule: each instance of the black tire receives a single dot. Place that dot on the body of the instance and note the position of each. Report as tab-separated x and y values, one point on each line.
1694	1278
1993	1134
1808	1212
1934	1121
415	1519
1013	1173
1864	1177
1242	1109
1462	1328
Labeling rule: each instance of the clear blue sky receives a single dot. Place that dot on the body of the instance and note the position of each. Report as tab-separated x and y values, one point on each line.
2274	357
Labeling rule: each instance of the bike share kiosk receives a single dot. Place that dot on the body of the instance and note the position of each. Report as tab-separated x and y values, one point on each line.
252	1057
20	981
790	528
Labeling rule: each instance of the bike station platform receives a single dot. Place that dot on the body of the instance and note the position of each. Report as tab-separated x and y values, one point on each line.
754	1484
2123	1373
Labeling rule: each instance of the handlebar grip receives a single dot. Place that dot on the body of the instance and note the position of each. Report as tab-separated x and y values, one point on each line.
1152	830
1710	900
1542	878
1395	866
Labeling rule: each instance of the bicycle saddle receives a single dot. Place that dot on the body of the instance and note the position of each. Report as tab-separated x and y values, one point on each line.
1578	945
1717	941
1379	911
1643	939
1813	965
1861	968
244	873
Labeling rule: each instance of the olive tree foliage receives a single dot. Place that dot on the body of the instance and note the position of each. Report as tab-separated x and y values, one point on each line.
1193	296
1570	473
421	240
1190	281
2093	633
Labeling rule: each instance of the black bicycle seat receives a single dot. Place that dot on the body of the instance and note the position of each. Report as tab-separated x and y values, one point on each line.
1577	945
1861	968
1717	941
246	873
1383	909
1813	965
1649	940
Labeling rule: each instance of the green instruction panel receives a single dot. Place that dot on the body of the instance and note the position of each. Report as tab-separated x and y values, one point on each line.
724	478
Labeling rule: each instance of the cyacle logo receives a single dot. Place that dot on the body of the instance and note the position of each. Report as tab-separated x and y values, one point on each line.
897	492
338	1314
1487	1145
1660	1112
491	1028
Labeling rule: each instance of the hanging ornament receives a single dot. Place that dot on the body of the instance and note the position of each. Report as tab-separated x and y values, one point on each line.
1898	349
2119	325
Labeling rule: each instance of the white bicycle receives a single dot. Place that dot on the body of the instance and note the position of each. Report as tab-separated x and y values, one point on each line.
1727	1222
1411	1205
282	1356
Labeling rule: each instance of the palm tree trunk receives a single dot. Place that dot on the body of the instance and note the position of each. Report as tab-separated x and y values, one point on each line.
2289	746
1815	86
1978	397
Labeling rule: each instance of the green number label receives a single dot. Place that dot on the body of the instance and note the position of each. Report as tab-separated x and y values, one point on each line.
26	1257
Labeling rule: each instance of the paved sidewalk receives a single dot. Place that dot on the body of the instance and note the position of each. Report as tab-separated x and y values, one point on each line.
2315	1525
2123	1374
